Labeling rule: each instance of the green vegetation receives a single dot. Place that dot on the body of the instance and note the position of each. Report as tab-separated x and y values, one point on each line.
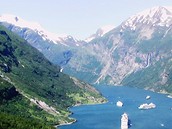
138	60
26	74
17	112
9	121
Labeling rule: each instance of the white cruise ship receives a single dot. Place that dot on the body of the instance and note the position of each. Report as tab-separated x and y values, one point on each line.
147	106
124	121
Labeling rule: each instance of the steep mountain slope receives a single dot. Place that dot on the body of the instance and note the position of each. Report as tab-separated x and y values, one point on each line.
138	44
17	112
38	82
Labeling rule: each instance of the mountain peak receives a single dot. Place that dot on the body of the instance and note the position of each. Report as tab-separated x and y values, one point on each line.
100	32
160	15
159	11
103	30
19	22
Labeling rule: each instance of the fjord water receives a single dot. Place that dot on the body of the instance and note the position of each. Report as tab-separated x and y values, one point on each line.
108	115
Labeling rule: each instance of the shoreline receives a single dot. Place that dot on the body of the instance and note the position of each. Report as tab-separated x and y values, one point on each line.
69	123
75	120
169	95
89	104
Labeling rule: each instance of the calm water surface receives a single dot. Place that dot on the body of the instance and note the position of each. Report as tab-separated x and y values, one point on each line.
107	116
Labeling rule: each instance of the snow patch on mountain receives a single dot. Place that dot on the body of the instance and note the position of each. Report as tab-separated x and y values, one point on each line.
157	16
19	22
46	35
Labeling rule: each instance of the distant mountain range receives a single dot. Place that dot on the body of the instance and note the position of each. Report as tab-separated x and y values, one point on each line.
136	53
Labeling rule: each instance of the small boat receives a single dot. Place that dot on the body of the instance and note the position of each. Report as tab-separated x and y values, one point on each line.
119	104
169	96
162	125
148	97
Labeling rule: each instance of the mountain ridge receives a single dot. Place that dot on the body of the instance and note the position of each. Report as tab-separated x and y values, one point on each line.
36	27
100	32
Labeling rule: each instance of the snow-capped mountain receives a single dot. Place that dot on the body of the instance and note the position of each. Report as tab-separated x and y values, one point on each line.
57	48
36	27
100	32
128	41
146	22
138	44
156	16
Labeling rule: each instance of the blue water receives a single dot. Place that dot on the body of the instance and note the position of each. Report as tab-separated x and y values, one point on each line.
107	116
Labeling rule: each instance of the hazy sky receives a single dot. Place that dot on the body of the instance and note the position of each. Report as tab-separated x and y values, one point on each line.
78	18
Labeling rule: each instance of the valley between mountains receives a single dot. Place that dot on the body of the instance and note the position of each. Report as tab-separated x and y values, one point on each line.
136	53
40	72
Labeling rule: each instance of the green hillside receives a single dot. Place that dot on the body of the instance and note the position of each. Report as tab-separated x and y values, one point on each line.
37	82
17	112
